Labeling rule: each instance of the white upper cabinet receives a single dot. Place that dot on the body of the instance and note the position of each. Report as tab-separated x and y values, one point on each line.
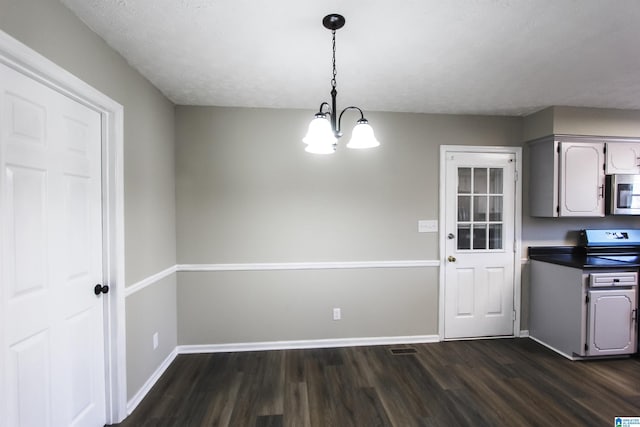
566	178
581	179
623	158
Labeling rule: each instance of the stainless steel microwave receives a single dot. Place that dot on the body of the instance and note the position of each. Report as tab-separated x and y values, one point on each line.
622	196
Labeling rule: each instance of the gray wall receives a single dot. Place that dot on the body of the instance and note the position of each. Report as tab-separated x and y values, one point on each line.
50	29
157	304
267	306
596	121
248	193
582	121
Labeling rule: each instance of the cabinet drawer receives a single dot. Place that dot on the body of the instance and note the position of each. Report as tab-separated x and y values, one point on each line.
597	280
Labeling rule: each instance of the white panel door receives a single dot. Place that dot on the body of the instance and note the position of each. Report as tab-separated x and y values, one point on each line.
51	245
479	259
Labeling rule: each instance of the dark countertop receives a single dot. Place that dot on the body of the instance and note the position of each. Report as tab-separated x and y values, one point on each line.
576	257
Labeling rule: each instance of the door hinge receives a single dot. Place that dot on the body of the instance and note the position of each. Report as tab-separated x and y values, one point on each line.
515	173
513	315
586	347
587	299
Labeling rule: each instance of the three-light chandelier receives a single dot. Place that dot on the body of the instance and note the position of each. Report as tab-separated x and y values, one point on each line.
323	133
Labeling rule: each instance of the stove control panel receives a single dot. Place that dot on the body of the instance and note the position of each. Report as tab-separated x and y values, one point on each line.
630	237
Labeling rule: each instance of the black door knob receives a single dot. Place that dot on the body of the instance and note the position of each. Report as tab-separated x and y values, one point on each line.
101	289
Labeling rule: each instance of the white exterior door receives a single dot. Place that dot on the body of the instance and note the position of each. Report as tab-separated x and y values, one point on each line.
479	244
52	357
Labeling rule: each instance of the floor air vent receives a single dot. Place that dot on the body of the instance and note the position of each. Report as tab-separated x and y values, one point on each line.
403	351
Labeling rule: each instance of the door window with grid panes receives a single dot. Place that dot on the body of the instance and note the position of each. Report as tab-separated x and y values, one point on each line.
480	198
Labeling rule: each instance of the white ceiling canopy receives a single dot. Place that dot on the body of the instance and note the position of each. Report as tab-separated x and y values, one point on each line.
504	57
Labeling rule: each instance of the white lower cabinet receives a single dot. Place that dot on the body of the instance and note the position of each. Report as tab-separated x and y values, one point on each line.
577	320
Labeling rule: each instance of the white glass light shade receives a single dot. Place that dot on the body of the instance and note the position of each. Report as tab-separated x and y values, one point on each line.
320	132
363	136
320	138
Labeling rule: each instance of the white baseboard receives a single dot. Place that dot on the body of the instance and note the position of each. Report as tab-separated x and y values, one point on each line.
133	403
302	344
524	333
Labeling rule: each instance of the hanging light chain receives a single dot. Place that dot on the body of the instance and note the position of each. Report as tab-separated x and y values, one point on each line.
333	80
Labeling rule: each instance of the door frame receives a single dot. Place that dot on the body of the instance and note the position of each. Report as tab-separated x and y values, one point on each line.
517	232
25	60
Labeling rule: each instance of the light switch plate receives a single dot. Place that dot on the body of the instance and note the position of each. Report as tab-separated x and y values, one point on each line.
427	226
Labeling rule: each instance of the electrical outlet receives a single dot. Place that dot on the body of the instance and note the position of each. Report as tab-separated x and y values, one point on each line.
337	314
155	340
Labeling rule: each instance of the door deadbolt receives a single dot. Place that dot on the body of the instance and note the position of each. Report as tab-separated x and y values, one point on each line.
450	236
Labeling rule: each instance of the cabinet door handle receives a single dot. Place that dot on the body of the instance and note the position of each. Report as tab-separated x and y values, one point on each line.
634	314
601	188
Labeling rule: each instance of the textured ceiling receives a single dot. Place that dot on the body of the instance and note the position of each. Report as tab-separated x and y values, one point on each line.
510	57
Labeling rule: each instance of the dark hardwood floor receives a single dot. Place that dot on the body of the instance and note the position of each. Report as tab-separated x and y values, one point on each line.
506	382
